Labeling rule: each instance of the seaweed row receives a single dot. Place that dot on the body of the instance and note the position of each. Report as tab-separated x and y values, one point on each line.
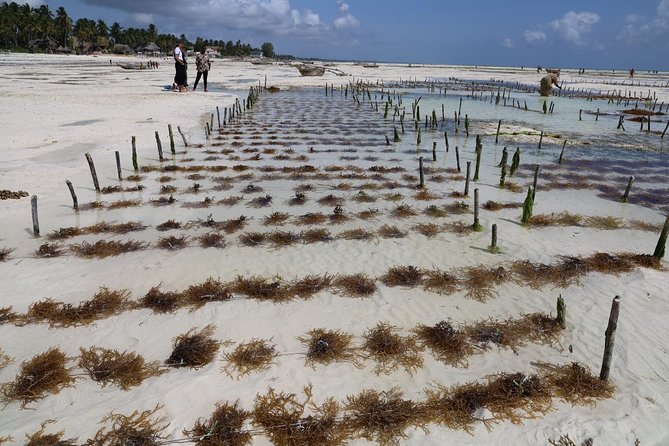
478	282
384	417
49	372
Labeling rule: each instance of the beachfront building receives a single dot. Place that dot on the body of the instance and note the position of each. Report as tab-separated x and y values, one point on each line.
151	49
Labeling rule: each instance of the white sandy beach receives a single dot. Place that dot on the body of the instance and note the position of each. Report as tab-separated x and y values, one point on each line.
56	108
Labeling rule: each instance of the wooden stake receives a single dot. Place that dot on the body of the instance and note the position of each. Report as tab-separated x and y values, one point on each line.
94	174
562	152
211	122
134	155
182	136
609	339
499	125
118	165
160	147
665	129
541	138
169	130
33	205
478	164
75	202
477	225
434	151
218	116
561	312
662	242
493	244
627	190
469	169
457	158
446	138
420	173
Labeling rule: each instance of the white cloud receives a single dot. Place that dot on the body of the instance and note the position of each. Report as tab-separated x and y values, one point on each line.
32	3
141	18
534	36
343	7
573	26
641	29
508	43
346	21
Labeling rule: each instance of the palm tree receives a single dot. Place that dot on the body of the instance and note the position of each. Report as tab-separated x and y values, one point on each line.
152	32
63	24
116	32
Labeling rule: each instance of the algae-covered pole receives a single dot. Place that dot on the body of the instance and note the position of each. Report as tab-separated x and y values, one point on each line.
609	339
33	205
434	151
169	130
118	165
527	208
561	312
420	173
446	138
75	202
469	169
160	147
477	225
478	163
396	136
627	190
665	130
534	183
94	174
135	166
218	116
515	161
499	125
662	242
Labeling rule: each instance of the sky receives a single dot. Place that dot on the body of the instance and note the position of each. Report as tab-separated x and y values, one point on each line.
617	34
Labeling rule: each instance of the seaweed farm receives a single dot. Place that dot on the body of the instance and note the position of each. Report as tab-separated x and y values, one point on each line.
360	262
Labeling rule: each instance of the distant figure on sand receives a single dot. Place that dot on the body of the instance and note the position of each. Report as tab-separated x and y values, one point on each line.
203	65
632	73
180	67
547	83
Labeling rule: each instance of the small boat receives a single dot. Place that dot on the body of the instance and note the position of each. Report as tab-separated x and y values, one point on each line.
311	70
132	66
370	65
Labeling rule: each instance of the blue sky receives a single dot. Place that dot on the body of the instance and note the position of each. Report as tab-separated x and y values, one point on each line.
567	33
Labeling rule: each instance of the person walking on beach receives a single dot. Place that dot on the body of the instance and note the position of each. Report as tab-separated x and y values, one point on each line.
180	67
203	65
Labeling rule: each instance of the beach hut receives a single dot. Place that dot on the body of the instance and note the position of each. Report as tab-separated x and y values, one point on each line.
62	50
120	48
151	49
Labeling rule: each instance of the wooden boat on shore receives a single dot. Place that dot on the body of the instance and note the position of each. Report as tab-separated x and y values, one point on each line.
311	70
132	66
370	65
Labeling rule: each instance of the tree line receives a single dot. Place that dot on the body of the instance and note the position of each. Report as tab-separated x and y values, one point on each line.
21	26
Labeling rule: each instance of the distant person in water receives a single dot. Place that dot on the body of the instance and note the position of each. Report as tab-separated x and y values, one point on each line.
180	67
203	65
547	83
632	73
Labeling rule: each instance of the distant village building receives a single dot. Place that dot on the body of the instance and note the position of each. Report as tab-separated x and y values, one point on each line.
212	51
47	45
151	49
256	54
120	48
62	50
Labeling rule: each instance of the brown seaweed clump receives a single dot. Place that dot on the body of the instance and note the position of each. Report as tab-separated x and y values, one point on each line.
41	438
480	281
355	285
169	225
124	369
328	346
441	282
104	248
407	276
428	229
172	242
48	250
4	253
261	288
211	290
253	356
194	349
356	234
137	429
161	302
403	211
447	344
391	350
7	315
311	218
308	286
388	231
105	303
282	417
225	427
575	384
315	236
42	374
253	238
383	417
212	240
276	219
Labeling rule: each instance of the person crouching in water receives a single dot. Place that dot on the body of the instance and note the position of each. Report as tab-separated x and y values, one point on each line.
547	83
203	65
180	67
